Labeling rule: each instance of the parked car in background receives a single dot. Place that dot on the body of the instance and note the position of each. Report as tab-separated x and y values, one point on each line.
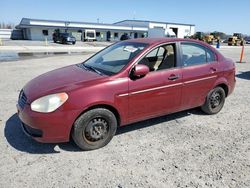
125	36
127	82
64	38
247	39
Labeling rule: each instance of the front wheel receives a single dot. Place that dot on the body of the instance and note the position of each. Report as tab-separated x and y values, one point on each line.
94	129
214	101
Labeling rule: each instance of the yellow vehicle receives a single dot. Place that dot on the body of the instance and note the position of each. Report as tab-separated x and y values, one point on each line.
208	38
236	39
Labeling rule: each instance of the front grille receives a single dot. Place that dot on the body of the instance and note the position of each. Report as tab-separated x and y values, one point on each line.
22	99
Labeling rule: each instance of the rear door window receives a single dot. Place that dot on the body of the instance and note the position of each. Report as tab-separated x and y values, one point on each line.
195	54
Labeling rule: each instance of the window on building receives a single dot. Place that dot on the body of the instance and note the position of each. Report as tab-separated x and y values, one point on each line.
116	35
45	32
98	34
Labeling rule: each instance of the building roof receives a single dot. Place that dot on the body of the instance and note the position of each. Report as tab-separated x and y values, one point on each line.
29	22
149	21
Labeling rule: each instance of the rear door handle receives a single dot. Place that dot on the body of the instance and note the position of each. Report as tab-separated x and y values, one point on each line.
173	77
213	69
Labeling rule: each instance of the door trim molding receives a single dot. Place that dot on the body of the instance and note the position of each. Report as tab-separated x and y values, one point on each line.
148	90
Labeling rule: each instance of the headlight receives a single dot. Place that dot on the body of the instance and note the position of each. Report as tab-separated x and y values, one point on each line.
49	103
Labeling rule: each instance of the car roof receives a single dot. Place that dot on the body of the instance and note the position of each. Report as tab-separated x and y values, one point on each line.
153	41
156	41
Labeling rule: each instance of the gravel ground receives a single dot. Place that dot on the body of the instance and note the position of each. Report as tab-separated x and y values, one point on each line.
185	149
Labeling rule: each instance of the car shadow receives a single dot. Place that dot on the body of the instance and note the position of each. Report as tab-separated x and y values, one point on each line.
158	120
18	140
244	75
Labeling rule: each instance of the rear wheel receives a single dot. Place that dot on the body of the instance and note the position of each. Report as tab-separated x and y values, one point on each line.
214	101
94	129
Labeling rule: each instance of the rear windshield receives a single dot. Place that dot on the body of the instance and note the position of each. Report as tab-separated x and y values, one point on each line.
90	34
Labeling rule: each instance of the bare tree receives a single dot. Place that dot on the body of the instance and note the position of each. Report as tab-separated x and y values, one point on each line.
9	25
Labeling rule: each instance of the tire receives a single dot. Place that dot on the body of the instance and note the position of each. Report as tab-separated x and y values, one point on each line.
94	129
214	101
73	43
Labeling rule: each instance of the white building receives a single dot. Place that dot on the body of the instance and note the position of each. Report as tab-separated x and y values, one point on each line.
36	29
181	30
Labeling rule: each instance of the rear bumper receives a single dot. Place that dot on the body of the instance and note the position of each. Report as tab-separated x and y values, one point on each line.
232	87
52	127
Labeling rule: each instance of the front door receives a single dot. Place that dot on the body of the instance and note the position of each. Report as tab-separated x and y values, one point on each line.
159	92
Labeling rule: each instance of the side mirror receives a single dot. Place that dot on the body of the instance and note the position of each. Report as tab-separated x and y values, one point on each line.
140	70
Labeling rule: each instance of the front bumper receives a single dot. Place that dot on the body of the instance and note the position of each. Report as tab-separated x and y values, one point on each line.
51	127
31	132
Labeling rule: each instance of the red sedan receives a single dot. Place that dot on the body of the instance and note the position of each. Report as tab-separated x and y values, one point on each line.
126	82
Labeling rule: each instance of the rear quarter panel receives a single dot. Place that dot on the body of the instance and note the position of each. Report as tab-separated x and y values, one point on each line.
229	74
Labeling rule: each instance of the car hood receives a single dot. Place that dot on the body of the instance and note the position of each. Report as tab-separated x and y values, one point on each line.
59	80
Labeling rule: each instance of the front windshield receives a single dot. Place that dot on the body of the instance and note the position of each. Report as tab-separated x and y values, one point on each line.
112	59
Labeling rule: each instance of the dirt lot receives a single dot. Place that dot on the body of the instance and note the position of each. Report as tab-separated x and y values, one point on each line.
186	149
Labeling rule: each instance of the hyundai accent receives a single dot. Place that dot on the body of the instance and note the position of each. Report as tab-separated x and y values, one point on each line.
126	82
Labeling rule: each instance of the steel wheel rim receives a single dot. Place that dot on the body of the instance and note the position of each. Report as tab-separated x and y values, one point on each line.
215	99
96	130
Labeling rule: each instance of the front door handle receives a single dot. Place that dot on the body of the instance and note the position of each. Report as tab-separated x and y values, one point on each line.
173	77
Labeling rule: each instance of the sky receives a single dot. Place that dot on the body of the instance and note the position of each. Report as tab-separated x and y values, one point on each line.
227	16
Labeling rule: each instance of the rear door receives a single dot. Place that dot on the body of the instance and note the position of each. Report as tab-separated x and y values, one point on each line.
200	71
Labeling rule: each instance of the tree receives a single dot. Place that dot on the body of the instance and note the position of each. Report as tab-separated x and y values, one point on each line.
9	25
219	34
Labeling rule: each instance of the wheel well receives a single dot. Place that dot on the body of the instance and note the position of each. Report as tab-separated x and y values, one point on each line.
225	87
111	108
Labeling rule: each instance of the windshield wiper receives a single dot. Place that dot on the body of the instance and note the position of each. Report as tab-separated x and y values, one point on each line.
81	65
89	68
93	69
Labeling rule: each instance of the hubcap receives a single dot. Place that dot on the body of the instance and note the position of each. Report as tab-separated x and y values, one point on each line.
96	129
215	99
